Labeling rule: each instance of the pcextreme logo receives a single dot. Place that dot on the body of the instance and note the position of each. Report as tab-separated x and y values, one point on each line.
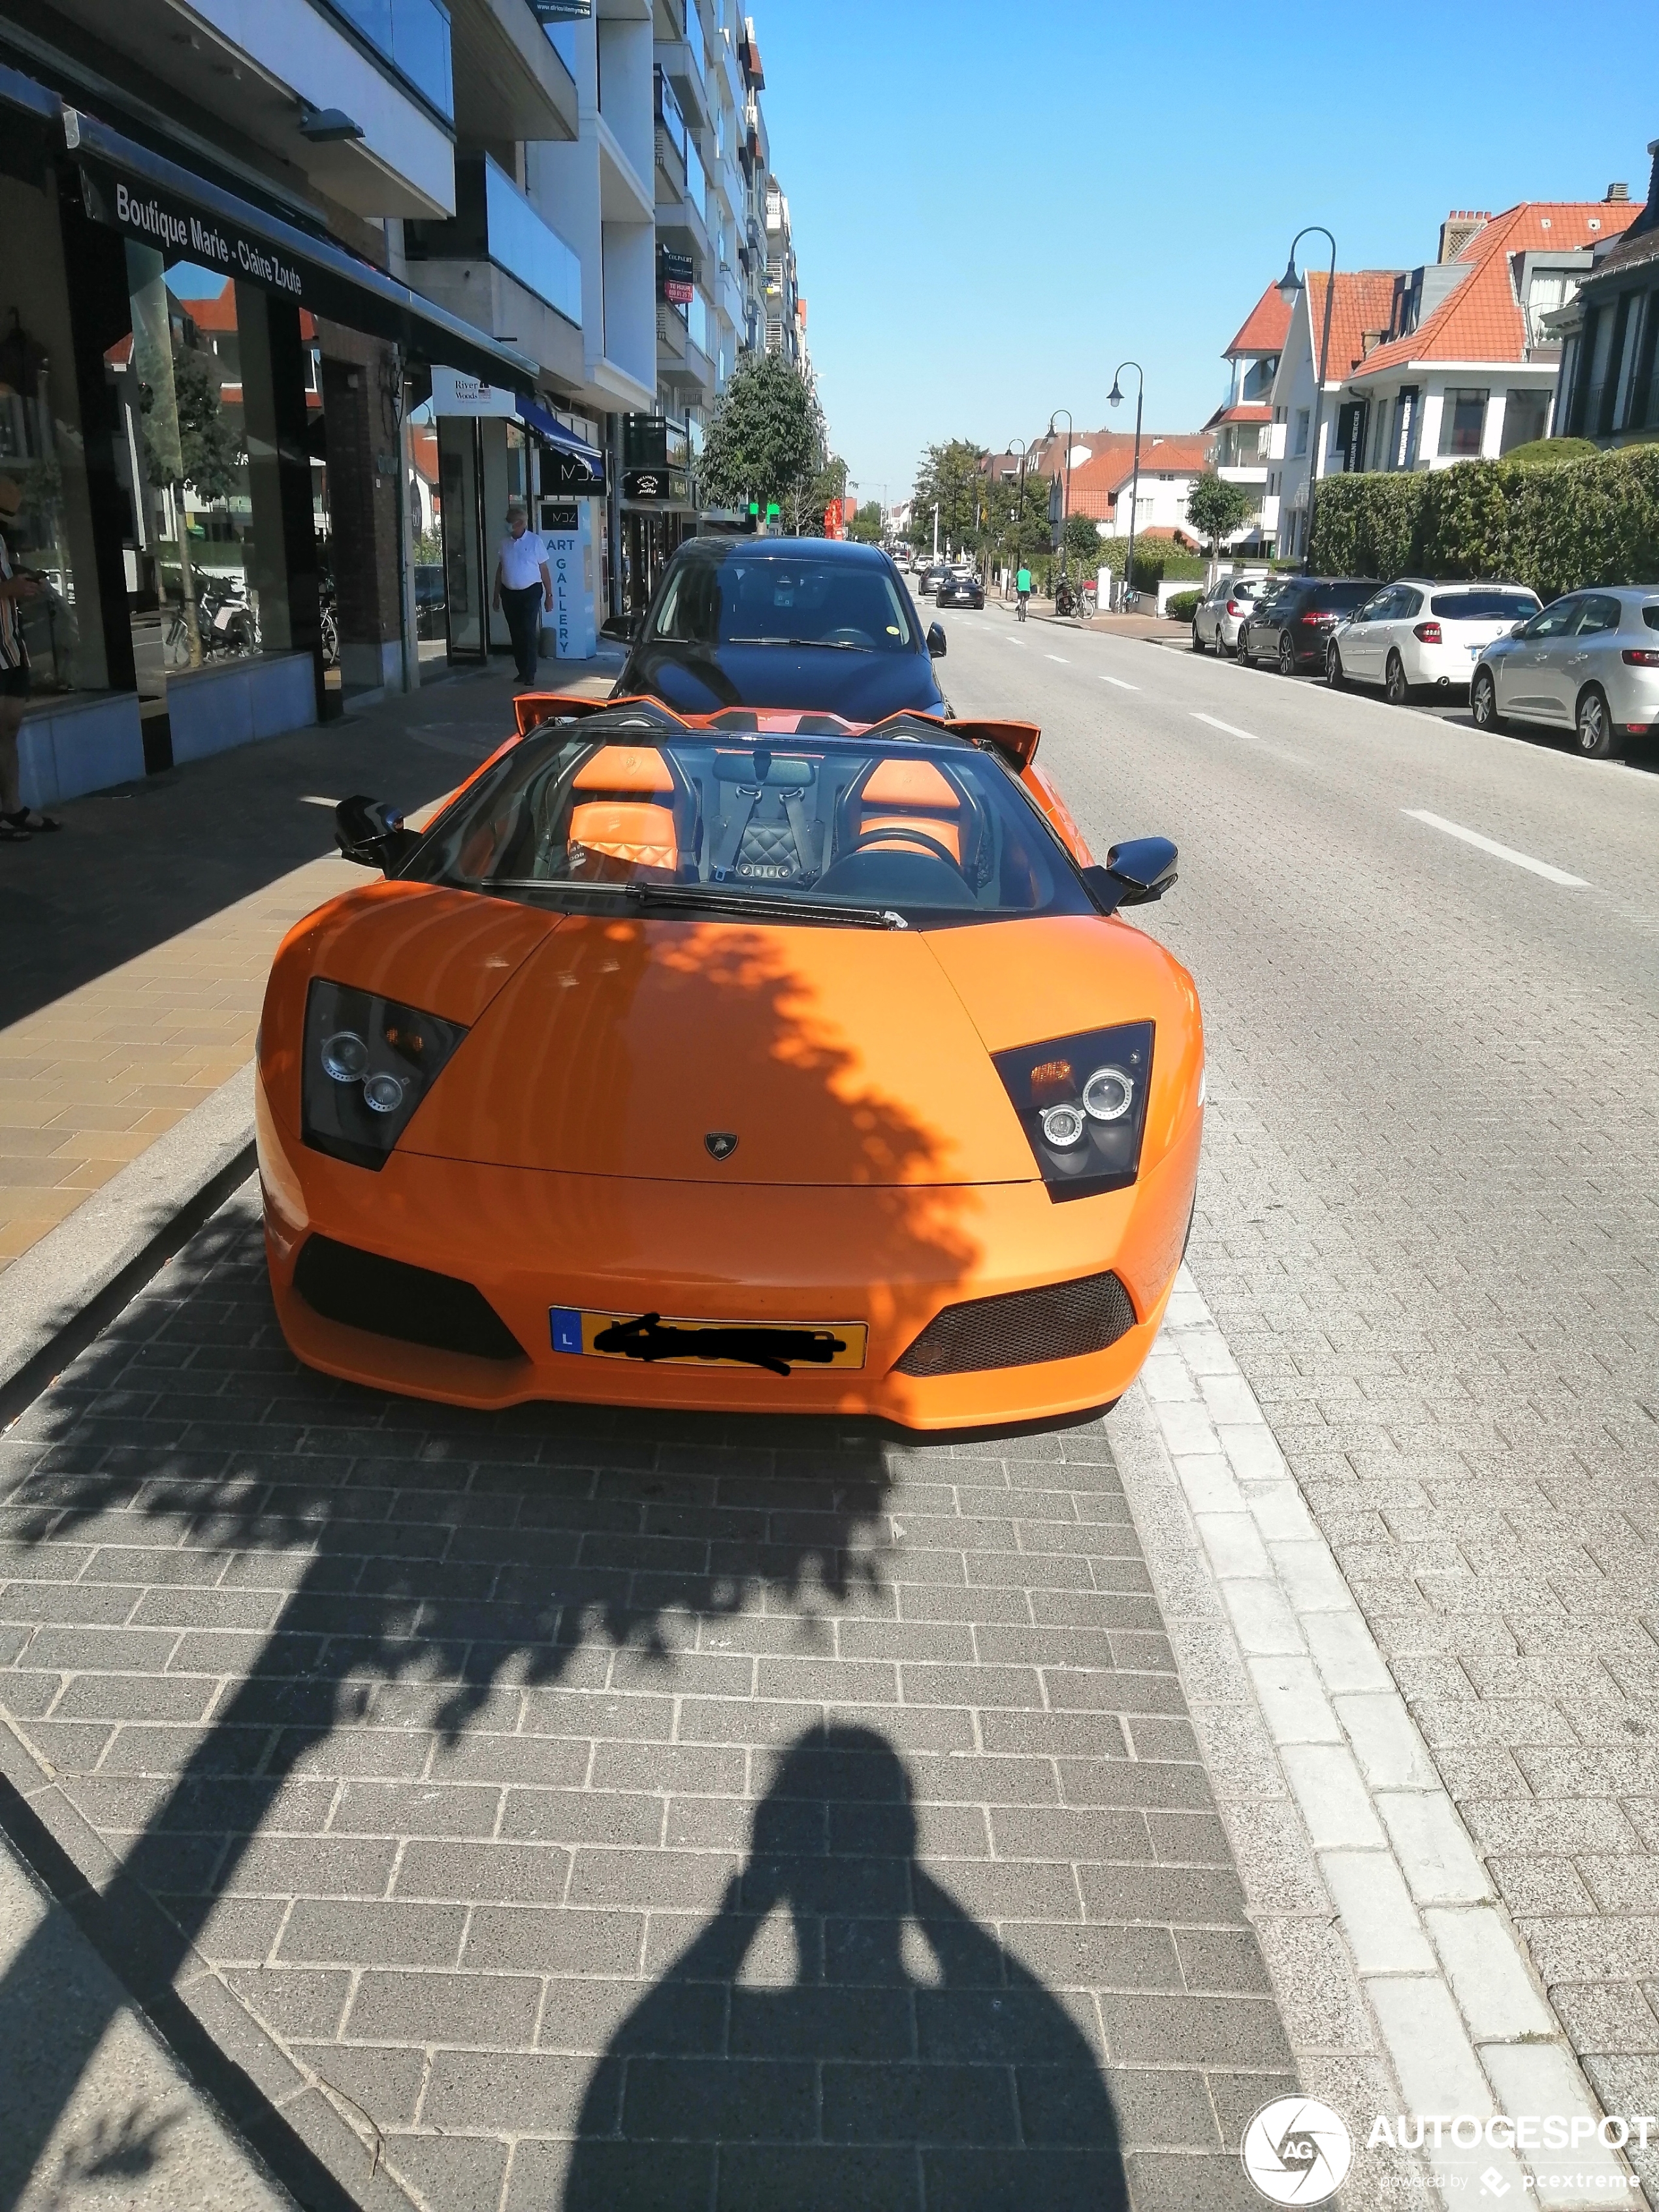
1297	2151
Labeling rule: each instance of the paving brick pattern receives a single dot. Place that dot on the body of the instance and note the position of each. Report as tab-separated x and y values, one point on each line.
623	1811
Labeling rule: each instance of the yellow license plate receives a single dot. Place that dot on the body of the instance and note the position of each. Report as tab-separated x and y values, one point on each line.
671	1341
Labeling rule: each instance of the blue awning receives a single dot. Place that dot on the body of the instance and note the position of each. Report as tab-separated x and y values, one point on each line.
581	465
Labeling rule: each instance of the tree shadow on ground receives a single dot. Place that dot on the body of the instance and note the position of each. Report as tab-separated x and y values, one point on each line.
842	2034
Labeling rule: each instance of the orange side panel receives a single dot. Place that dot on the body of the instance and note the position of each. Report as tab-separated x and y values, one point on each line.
1041	786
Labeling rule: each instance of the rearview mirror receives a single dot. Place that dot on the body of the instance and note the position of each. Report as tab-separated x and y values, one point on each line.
1136	873
371	833
936	641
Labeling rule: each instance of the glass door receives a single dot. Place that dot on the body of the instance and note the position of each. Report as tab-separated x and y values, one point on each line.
466	587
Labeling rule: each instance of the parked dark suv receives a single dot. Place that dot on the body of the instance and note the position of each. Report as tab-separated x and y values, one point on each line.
1294	627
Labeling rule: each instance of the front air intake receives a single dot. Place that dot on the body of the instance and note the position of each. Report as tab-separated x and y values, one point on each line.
391	1298
1021	1329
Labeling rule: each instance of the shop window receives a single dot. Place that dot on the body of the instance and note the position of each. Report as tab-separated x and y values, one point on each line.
1526	416
42	450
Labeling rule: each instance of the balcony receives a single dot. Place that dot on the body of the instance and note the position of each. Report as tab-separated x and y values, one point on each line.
682	60
500	264
414	36
510	80
673	143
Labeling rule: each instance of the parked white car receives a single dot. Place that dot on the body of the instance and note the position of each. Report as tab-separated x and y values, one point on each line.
1414	634
1589	663
1223	608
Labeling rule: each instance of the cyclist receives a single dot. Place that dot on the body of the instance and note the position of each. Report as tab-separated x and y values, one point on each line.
1022	590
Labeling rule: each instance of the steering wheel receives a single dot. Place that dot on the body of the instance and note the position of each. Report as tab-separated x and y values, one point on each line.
848	633
903	830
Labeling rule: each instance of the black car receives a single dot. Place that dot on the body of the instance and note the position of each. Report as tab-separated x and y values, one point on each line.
787	623
1294	627
961	592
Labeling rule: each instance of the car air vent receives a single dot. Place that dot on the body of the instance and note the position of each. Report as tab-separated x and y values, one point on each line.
394	1299
1021	1329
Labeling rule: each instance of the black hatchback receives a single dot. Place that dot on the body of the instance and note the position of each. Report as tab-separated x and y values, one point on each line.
1294	627
784	621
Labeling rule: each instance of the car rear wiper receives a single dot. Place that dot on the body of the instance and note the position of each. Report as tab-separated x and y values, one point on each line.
824	644
714	899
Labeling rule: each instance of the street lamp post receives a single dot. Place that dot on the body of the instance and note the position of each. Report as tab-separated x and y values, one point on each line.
1066	496
1019	509
1115	398
1289	285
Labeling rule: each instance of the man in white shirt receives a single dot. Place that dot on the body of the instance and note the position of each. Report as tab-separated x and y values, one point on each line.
523	588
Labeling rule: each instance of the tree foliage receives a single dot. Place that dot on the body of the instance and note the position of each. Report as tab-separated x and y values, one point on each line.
865	525
1216	508
1591	520
208	457
766	441
950	478
1157	559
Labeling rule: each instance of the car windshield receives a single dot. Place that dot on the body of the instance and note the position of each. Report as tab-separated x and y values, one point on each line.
626	812
1651	614
1484	607
770	599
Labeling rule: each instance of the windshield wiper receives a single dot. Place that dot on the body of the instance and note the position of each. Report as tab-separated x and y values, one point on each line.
824	644
768	906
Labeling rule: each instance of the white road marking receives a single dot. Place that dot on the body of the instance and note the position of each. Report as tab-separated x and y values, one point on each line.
1119	683
1060	657
1019	641
1499	852
312	800
1231	728
1358	1777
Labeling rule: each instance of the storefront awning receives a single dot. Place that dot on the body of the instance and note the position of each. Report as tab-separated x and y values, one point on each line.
160	203
580	467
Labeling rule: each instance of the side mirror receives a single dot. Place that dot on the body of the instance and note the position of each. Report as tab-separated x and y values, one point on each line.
371	833
936	641
622	629
1136	873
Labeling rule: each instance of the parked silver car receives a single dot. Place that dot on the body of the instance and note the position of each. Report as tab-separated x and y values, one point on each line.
1222	609
1587	663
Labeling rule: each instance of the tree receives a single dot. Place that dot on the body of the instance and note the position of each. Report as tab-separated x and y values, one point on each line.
950	477
208	458
1082	541
1217	508
865	525
766	439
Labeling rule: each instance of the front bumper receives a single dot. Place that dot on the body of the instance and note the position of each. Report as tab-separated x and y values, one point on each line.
892	1258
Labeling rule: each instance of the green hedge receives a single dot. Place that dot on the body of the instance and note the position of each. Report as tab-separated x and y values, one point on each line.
1157	560
1587	521
1184	606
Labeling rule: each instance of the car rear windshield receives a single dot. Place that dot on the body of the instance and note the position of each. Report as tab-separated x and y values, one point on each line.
1339	595
1651	614
1484	607
764	598
606	812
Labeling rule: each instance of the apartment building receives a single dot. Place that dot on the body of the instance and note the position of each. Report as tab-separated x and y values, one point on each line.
294	297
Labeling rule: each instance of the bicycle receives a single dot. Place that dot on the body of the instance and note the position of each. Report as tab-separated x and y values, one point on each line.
1022	597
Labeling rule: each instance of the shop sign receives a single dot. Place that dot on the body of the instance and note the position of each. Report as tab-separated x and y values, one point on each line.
666	484
456	393
183	233
570	475
676	274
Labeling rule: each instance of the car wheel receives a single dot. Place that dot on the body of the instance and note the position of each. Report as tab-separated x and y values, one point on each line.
1594	725
1241	649
1334	675
1395	689
1483	701
1286	657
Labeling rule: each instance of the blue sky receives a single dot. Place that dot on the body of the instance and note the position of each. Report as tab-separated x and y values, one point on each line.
995	201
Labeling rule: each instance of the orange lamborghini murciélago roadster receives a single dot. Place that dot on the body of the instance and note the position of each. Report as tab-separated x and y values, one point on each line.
752	1062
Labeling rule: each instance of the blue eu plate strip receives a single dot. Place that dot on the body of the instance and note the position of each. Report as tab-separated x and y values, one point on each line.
567	1326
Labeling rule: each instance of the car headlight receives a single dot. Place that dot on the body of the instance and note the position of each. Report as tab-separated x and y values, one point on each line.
368	1063
1081	1103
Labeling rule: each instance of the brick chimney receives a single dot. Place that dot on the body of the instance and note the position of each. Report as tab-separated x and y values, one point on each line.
1618	195
1459	228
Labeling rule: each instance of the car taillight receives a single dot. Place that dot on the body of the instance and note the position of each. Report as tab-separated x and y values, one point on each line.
1316	621
1234	607
1428	632
1640	656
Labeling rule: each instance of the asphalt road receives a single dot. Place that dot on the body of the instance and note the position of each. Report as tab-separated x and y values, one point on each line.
1429	1217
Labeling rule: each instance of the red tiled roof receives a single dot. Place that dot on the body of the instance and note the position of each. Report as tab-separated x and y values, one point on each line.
1097	486
1481	321
1245	414
1263	329
216	313
1364	300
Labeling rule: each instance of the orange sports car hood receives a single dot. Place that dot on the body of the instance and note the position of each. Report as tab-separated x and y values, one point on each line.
834	1056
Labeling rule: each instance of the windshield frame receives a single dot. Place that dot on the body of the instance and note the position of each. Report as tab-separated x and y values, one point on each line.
725	555
653	728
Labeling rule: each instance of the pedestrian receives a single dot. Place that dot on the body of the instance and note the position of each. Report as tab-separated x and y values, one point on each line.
1023	589
523	588
16	822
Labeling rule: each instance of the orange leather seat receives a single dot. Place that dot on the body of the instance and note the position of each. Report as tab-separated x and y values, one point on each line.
631	815
911	794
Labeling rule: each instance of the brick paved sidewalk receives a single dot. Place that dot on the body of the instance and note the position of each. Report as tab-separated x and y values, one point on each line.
138	941
614	1811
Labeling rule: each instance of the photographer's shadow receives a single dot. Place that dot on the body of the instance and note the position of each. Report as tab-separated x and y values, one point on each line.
843	2034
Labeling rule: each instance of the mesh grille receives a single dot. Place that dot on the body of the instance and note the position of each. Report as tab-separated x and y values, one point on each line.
1061	1321
394	1299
